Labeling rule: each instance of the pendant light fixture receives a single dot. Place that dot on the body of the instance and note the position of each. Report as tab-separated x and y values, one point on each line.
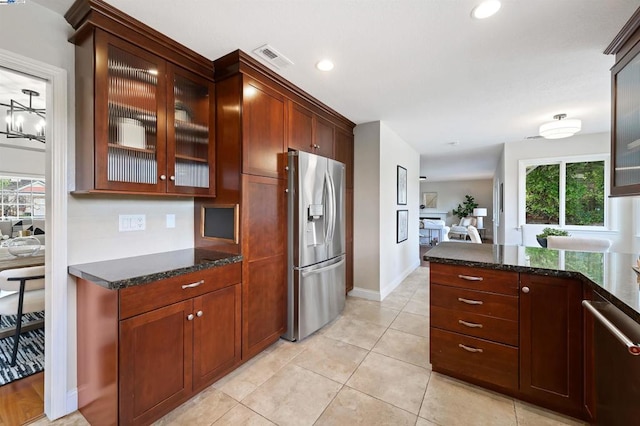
25	122
561	127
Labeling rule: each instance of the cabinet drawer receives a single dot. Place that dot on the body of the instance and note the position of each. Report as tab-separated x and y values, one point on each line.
485	327
477	302
474	358
138	299
503	282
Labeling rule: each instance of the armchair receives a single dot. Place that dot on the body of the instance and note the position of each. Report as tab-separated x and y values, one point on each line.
460	229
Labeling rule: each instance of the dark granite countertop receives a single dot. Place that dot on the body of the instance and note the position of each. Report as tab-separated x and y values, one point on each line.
609	274
121	273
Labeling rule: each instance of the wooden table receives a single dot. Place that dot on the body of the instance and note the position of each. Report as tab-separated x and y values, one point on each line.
8	261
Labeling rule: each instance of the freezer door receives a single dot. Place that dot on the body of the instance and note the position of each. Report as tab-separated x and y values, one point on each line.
321	295
336	244
311	210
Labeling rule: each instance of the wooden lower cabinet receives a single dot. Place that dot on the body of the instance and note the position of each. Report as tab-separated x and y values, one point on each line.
156	352
551	342
144	350
518	333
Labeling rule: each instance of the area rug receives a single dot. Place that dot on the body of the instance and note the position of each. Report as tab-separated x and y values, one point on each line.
30	359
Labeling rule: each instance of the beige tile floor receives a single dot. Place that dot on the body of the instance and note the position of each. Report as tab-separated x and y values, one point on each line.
369	367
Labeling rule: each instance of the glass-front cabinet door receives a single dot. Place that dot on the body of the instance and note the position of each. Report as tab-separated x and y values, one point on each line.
626	126
130	93
190	118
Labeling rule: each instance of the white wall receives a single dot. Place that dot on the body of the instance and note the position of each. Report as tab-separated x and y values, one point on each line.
366	206
92	222
450	194
380	263
19	162
622	211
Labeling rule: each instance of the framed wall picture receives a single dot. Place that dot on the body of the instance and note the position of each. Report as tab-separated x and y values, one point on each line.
402	225
430	200
402	186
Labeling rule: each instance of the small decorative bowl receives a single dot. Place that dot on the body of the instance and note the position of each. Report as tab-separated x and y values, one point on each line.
24	246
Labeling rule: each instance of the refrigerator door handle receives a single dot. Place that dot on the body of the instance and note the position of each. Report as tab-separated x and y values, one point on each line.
329	208
332	207
323	269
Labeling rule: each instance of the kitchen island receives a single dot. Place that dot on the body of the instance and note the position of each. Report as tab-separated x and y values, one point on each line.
511	319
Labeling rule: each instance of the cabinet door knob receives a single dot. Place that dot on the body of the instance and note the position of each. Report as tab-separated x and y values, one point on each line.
163	177
286	190
190	317
172	178
199	313
525	289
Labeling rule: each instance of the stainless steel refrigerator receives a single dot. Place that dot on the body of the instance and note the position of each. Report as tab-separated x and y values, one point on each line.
316	243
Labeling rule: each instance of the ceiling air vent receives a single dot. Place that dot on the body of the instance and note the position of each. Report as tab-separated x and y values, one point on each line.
272	56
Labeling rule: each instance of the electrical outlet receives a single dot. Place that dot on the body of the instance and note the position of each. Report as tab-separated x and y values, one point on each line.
132	222
171	221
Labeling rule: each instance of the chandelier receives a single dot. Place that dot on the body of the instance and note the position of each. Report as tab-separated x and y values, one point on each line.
25	122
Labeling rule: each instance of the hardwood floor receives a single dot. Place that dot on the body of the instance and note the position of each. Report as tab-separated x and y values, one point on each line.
22	401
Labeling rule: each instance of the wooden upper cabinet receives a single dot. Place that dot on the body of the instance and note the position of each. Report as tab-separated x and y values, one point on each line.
309	132
625	120
344	152
300	128
324	137
263	128
145	118
190	130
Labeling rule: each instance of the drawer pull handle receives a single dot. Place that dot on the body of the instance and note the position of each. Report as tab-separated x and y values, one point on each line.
470	278
470	302
470	349
193	284
470	324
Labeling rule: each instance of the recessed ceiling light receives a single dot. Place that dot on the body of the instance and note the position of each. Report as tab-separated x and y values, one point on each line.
486	9
325	65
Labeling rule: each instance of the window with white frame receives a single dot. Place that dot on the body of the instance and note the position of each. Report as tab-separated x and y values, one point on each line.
564	192
22	197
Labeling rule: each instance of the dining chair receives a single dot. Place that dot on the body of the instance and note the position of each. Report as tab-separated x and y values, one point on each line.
24	293
578	243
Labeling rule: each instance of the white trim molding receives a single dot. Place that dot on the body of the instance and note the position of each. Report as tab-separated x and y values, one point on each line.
57	403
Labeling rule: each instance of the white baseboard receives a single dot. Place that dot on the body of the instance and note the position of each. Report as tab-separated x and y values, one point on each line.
364	293
378	296
72	401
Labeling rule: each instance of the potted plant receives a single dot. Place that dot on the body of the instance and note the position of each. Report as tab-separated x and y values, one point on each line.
542	237
466	208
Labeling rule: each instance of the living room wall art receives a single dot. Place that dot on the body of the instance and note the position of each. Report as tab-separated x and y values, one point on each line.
402	225
430	200
402	186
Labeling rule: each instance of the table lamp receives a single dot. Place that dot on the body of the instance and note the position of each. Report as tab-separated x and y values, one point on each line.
479	213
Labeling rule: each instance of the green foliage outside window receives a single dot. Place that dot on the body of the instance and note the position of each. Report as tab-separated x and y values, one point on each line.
583	190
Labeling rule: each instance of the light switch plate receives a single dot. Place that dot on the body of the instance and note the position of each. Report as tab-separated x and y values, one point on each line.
132	222
171	221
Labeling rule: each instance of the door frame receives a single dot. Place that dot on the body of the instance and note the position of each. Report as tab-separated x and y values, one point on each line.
58	400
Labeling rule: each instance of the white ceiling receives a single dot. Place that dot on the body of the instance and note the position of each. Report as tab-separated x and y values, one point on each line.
423	67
